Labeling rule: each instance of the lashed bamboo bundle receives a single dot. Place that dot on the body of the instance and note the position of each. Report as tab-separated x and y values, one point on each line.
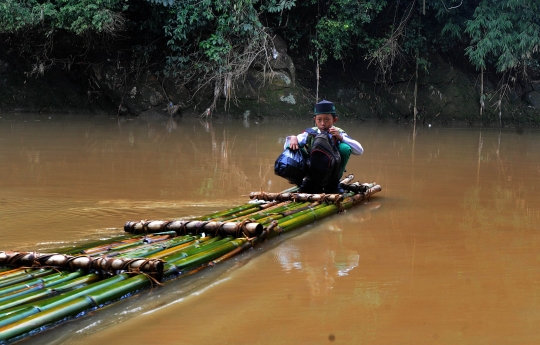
296	196
183	227
32	259
323	210
43	291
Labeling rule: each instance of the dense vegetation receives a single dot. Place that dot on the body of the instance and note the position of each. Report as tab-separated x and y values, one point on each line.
213	42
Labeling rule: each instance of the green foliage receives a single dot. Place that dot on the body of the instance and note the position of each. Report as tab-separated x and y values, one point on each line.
75	16
213	42
215	48
208	28
505	34
274	6
15	15
341	27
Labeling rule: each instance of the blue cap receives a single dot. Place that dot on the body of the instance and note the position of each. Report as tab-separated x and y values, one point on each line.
325	107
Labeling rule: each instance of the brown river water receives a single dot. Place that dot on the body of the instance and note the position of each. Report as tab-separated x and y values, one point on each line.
447	253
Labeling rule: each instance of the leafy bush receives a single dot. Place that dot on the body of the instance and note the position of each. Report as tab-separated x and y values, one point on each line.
212	43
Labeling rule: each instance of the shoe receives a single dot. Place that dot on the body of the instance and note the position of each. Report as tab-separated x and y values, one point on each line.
309	187
336	190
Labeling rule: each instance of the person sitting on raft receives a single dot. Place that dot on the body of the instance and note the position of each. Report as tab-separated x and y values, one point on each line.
325	117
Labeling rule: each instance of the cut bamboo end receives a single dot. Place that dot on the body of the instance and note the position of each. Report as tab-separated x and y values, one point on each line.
295	196
100	264
183	227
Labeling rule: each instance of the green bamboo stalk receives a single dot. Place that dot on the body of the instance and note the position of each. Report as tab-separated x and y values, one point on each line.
305	211
309	216
81	247
190	262
89	300
16	313
152	248
175	249
104	245
31	321
291	189
142	252
295	215
29	283
47	290
21	278
295	208
243	214
129	246
281	207
227	212
189	250
10	271
15	272
236	215
195	249
141	241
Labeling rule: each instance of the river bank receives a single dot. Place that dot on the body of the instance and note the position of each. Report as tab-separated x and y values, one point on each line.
447	94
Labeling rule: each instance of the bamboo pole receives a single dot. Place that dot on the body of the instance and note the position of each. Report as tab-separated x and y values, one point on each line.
196	249
183	227
193	261
184	246
249	213
347	180
260	216
91	299
324	210
16	313
8	271
47	290
139	242
288	213
79	248
151	248
17	272
15	322
295	196
151	266
281	220
30	275
32	282
26	319
227	212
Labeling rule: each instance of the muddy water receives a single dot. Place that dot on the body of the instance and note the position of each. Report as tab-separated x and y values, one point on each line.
447	253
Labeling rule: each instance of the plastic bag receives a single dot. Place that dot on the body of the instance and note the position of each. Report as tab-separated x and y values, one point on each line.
291	165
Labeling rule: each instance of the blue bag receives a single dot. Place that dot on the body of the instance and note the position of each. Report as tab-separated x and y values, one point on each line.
292	166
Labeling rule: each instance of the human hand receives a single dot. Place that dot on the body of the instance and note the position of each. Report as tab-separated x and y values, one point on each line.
293	143
335	133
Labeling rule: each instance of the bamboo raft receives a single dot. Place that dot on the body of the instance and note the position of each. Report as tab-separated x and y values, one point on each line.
39	290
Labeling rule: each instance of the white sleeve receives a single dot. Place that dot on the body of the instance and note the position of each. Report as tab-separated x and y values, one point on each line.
357	149
302	138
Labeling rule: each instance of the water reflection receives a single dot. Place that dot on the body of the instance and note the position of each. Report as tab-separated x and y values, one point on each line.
334	257
288	257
